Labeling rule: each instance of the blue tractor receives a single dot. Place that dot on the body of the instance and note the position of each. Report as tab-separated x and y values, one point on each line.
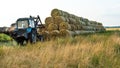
26	30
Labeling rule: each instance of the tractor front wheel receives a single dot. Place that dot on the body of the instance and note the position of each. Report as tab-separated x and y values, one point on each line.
20	40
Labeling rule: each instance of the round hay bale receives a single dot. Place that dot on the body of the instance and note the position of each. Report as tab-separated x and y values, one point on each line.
83	23
67	19
65	14
73	27
54	34
81	18
100	28
83	32
92	23
76	17
99	23
39	30
95	23
78	20
87	23
85	20
70	15
45	34
56	12
94	28
49	20
52	26
73	16
59	19
72	21
78	32
79	27
66	33
85	28
64	25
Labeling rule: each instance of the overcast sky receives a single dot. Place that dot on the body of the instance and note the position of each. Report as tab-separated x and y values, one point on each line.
105	11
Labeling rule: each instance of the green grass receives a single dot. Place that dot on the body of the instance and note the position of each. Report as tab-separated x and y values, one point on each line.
99	50
5	38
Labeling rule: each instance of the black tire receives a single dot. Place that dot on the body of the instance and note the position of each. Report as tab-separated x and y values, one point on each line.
20	41
33	37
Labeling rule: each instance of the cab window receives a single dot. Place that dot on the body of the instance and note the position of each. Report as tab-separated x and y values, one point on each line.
31	23
22	24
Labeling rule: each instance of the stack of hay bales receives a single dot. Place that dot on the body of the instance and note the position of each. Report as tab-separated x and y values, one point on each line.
65	24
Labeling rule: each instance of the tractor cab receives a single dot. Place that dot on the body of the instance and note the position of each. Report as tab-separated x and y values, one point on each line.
26	29
25	25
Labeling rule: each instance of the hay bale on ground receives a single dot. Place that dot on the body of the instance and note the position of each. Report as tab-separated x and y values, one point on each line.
64	25
100	28
87	28
54	34
83	32
66	33
52	26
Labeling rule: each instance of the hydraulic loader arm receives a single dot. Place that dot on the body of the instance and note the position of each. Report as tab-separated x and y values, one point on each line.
38	21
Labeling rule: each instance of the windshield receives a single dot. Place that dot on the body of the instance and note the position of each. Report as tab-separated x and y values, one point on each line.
31	23
22	24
